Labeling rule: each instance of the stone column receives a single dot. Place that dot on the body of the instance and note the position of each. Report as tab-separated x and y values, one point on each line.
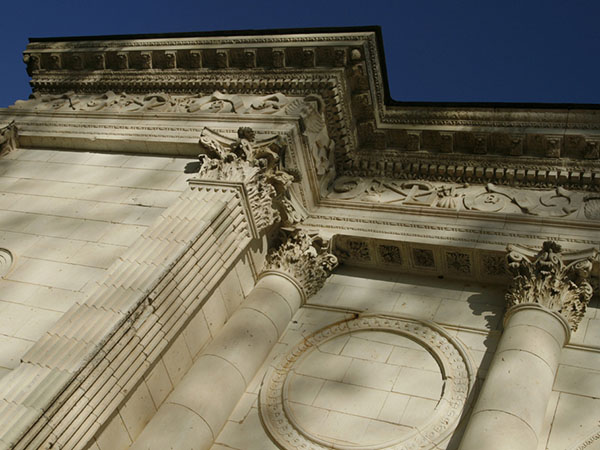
196	411
547	299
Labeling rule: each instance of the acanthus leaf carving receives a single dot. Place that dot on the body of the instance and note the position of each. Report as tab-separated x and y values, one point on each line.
551	278
8	138
306	258
259	165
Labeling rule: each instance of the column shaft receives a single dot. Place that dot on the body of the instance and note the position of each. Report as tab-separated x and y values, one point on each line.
511	406
196	411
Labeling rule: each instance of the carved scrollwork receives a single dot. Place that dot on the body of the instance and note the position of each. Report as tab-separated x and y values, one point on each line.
305	258
551	278
491	198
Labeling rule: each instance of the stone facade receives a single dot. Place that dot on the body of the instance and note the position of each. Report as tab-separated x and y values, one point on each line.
239	242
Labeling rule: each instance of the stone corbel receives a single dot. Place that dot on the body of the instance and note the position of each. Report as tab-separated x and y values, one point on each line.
552	278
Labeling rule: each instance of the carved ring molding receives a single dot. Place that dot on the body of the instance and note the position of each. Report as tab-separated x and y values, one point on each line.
455	367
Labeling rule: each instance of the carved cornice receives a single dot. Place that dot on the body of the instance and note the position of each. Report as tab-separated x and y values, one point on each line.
551	278
344	69
304	258
8	138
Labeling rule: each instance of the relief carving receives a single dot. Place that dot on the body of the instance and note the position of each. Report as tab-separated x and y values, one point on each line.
491	198
8	138
259	165
156	102
305	258
556	280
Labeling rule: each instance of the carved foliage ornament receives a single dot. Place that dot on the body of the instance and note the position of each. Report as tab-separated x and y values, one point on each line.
551	278
259	165
305	258
8	138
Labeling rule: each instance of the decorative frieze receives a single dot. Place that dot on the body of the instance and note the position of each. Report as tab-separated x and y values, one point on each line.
551	278
158	102
489	198
305	258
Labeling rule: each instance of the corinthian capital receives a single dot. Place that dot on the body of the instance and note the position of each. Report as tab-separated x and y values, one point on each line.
305	259
556	280
256	164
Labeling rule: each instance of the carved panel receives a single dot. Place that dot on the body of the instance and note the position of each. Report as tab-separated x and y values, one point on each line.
490	198
458	262
423	258
390	254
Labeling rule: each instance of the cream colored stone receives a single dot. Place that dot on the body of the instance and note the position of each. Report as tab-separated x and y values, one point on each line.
197	334
177	360
368	350
174	419
394	407
137	410
158	383
231	292
114	435
215	312
346	398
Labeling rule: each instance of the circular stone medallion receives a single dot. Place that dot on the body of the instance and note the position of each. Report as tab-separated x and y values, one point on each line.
374	382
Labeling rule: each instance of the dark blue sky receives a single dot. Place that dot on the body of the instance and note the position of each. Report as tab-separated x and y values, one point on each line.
447	50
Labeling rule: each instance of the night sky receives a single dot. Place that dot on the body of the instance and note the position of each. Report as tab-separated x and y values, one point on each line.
469	51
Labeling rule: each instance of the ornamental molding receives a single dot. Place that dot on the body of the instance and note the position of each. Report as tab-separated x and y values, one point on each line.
490	198
344	69
122	102
422	258
8	138
259	166
305	258
455	366
552	278
591	440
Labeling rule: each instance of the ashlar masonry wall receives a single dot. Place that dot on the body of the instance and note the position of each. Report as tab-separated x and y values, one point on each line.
375	370
66	216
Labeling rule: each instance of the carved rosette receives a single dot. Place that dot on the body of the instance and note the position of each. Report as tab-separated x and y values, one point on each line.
258	165
8	138
551	278
304	258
